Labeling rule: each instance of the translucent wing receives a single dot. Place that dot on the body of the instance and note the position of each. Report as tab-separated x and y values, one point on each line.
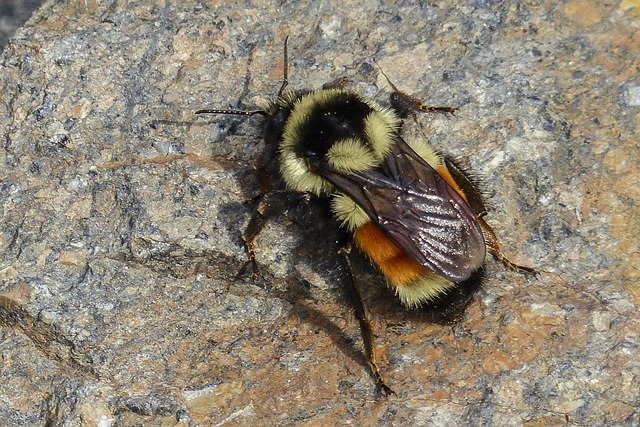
419	211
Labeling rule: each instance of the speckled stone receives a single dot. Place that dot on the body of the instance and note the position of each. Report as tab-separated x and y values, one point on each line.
122	294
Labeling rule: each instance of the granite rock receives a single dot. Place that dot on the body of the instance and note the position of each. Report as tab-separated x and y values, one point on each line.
124	298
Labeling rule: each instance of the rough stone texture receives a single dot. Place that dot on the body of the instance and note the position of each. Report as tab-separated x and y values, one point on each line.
14	13
122	213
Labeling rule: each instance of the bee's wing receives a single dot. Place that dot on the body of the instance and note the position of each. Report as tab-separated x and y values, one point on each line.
419	211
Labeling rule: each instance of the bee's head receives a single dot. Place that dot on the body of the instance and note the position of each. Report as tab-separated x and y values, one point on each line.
329	129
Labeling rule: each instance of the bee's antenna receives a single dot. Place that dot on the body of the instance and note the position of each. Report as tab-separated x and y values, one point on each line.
285	79
285	82
237	112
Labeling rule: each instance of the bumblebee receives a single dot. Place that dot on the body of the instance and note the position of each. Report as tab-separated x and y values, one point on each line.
415	214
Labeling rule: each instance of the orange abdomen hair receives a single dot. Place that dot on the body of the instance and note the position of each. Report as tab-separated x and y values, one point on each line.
398	267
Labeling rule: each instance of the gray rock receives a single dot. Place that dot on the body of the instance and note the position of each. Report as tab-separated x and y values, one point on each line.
122	214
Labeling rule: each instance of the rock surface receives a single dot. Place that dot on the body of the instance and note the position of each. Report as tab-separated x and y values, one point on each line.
122	215
13	14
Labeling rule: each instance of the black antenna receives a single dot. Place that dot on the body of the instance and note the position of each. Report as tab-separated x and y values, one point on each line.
285	82
285	78
237	112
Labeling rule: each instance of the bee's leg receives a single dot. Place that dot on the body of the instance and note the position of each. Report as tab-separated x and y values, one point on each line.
366	328
404	104
494	248
267	206
256	224
435	109
261	214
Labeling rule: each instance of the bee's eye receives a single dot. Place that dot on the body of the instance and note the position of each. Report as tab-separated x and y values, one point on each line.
310	154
